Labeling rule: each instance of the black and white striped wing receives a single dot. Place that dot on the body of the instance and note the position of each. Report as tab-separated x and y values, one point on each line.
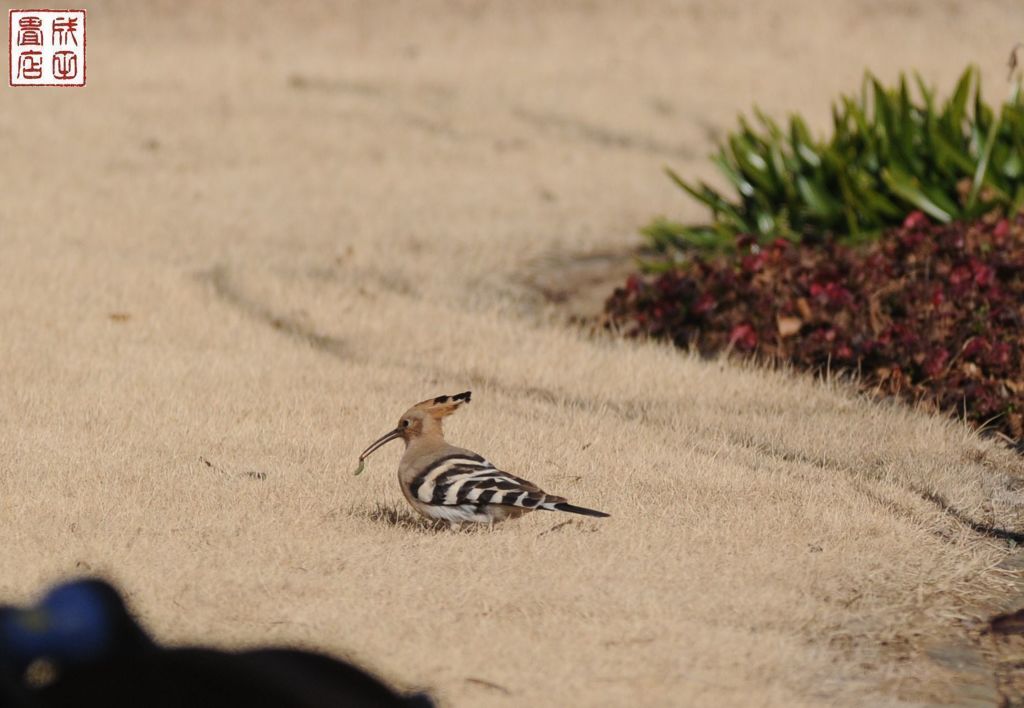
468	479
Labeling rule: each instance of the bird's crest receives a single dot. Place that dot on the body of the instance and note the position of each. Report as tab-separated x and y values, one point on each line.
443	406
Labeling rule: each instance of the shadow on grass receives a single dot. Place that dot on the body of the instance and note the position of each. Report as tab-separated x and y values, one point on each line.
400	518
411	521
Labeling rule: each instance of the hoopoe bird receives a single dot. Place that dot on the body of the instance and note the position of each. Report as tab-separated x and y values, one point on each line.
452	484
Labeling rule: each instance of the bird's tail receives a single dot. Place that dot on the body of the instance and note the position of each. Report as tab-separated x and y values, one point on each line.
559	504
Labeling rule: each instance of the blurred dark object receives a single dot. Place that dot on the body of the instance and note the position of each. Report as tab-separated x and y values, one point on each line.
80	647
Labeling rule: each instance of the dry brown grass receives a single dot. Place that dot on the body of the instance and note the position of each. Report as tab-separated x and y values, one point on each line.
216	292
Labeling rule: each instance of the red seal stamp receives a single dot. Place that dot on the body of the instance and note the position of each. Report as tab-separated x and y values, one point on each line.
46	47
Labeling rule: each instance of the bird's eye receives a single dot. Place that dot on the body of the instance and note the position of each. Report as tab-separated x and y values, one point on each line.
404	424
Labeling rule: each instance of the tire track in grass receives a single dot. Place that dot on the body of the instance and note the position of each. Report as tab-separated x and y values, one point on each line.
217	278
573	127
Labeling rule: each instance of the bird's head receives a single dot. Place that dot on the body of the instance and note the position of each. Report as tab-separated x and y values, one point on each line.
423	419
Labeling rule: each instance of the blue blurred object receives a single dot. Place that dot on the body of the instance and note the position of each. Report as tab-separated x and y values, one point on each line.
71	625
96	654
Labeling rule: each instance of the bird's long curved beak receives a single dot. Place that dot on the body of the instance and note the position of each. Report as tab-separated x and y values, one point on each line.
380	442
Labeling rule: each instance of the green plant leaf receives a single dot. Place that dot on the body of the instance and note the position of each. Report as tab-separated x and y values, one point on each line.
884	110
878	207
742	185
927	94
720	207
982	167
803	145
906	187
948	153
752	164
817	198
954	114
849	205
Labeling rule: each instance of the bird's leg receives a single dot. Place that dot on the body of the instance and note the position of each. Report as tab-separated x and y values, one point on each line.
454	525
